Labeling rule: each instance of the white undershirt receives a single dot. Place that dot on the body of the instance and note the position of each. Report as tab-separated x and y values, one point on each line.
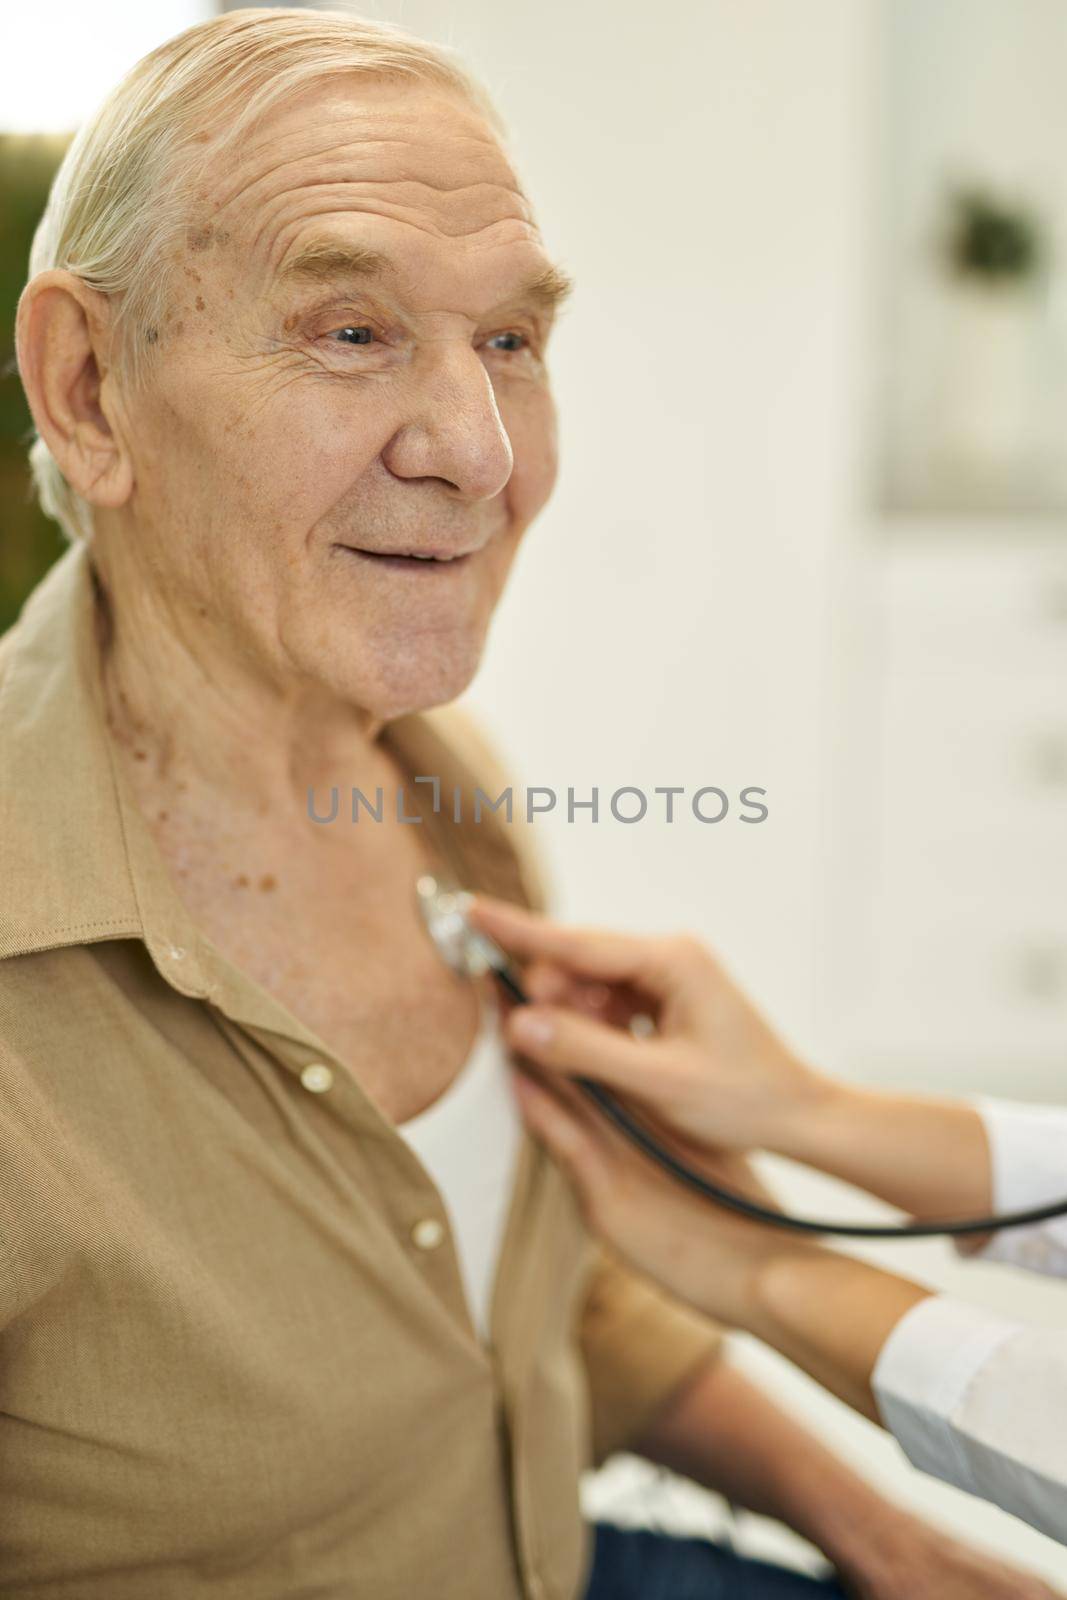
468	1140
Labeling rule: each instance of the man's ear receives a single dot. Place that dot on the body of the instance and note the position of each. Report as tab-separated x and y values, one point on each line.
61	334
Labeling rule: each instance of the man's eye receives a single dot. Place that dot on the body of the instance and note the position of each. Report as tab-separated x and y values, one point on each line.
510	343
521	341
363	335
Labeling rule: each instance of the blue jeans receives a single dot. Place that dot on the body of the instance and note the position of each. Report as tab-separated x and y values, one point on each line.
633	1564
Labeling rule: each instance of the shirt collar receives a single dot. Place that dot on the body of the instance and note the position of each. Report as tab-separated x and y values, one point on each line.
76	854
62	850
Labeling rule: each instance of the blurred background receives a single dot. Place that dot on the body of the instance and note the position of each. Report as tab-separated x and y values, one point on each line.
809	533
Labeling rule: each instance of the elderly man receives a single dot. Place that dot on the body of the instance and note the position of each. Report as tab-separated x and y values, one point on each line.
287	1306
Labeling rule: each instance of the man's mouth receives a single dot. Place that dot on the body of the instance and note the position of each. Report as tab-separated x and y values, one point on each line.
412	560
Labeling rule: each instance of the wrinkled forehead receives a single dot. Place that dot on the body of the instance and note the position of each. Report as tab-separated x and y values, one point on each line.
410	167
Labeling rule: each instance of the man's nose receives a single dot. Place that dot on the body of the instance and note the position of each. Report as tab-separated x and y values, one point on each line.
453	431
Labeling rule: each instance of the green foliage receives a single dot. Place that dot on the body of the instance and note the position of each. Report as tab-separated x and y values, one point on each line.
29	541
991	242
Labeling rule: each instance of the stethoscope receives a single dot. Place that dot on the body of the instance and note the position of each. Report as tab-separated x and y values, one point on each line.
472	953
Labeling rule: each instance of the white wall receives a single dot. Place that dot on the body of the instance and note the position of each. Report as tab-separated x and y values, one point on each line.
59	60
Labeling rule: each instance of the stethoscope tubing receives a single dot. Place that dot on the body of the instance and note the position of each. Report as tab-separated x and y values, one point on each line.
645	1141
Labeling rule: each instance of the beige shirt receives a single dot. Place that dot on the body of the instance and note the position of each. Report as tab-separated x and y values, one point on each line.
236	1357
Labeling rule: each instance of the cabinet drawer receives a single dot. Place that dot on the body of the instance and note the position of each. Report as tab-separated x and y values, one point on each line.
998	610
994	988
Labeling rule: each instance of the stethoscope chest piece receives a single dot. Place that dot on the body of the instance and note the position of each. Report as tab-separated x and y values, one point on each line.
444	911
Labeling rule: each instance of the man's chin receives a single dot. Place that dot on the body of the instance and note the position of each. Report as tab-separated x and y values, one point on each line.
405	693
391	671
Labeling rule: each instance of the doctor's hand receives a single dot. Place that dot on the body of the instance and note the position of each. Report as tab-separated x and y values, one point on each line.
713	1259
713	1069
715	1072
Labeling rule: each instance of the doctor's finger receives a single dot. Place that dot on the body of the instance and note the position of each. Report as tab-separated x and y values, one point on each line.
657	964
548	983
553	984
576	1045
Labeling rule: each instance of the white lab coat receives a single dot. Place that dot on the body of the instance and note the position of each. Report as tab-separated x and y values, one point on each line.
979	1399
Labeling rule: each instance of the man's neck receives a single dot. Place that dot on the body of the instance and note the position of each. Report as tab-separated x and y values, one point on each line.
215	730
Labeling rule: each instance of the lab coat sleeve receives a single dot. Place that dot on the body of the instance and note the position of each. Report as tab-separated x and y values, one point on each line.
979	1400
1028	1149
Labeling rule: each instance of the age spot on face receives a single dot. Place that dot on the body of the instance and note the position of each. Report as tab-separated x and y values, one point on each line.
204	237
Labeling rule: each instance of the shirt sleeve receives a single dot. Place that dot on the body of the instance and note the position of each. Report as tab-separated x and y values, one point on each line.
977	1400
1028	1151
639	1346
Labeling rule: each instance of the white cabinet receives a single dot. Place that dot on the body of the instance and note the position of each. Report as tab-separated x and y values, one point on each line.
965	881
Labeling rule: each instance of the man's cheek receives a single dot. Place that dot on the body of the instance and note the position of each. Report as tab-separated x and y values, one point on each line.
534	486
534	445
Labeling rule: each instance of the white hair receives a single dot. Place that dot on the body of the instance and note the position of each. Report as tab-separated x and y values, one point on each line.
120	202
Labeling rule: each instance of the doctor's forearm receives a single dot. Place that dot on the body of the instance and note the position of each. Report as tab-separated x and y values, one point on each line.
829	1314
928	1156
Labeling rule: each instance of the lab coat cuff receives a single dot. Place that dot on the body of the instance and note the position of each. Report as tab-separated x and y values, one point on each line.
1028	1150
1028	1154
923	1374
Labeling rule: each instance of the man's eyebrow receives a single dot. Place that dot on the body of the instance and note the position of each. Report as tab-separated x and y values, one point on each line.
324	261
548	289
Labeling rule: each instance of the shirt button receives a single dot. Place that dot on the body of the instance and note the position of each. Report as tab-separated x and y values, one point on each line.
317	1077
427	1233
